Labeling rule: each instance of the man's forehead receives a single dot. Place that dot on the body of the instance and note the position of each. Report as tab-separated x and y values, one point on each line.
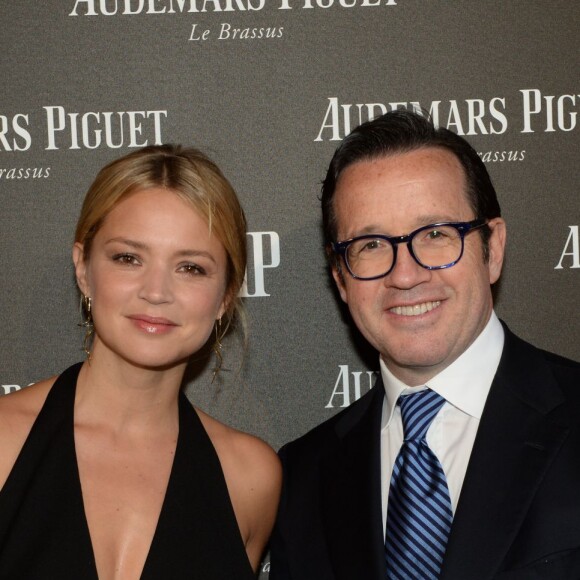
408	189
418	160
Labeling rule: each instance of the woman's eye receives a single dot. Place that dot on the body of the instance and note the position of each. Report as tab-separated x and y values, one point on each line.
192	269
125	259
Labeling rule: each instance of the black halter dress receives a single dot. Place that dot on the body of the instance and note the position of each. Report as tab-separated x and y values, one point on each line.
43	529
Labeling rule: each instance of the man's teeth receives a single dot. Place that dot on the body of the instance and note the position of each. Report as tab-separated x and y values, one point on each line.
416	309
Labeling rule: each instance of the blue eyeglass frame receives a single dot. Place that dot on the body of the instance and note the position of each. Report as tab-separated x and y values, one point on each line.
463	228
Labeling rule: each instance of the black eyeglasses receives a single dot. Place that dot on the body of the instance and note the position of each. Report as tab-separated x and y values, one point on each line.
433	247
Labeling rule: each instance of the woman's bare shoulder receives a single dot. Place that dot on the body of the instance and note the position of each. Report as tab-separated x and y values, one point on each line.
248	453
254	478
18	411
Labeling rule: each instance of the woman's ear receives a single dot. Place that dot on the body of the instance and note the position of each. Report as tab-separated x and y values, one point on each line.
78	255
225	305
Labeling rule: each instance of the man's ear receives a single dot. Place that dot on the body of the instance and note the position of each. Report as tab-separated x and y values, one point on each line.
497	242
338	276
78	255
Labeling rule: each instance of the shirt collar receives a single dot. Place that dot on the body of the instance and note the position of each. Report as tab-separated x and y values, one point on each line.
465	383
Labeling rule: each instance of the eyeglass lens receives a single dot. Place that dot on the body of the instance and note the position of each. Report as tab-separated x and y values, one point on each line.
433	247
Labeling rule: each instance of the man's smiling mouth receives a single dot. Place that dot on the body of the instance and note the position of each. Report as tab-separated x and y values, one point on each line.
416	309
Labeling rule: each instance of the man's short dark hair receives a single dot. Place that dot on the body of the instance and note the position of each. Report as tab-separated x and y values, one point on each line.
403	131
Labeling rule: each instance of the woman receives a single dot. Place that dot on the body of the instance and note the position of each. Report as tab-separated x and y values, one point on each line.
107	471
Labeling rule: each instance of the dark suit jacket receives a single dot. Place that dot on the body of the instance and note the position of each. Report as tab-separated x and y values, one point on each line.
518	515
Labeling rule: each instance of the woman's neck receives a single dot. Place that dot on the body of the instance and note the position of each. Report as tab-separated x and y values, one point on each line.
113	393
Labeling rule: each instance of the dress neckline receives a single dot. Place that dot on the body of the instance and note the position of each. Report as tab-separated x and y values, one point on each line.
178	446
43	527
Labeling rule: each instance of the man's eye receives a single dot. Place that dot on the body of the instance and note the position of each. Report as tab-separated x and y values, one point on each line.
436	234
367	248
375	244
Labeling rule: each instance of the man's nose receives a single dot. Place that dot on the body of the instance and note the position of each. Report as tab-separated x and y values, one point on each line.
406	272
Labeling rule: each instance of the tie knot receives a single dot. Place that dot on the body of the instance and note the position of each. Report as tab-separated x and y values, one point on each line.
418	411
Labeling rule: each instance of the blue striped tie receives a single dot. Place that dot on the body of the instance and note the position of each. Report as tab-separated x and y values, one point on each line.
419	510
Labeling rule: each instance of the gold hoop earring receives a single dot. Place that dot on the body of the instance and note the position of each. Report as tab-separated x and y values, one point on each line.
217	348
86	323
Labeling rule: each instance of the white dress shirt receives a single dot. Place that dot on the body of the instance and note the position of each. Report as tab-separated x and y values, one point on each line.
464	385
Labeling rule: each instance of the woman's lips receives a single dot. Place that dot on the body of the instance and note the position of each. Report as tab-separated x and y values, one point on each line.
152	324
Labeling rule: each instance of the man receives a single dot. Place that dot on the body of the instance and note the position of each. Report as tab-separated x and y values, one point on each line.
489	484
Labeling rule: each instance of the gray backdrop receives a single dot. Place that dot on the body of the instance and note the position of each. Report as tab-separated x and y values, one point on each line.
268	88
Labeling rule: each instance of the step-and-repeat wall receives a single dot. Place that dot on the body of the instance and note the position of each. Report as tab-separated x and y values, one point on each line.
268	88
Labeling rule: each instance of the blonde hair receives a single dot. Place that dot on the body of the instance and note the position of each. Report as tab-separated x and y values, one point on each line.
189	174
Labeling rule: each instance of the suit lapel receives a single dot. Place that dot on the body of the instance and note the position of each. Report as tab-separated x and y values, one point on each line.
515	444
350	493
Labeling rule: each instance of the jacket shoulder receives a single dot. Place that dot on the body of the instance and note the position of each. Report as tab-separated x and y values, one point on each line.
561	364
539	371
566	373
324	437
